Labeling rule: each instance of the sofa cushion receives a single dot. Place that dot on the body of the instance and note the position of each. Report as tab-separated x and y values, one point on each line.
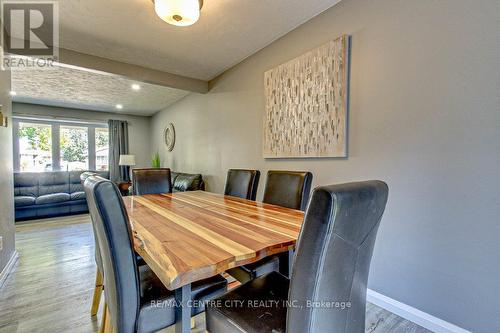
186	181
26	184
173	175
60	193
78	195
52	198
75	184
24	200
53	182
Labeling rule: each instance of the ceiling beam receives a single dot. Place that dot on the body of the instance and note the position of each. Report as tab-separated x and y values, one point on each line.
134	72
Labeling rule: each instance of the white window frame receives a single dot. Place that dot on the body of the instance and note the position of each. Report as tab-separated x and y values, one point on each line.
56	149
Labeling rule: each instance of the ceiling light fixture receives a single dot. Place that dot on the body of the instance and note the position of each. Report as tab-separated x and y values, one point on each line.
12	93
119	106
136	87
178	12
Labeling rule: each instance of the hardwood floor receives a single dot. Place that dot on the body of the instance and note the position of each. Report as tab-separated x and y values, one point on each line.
50	288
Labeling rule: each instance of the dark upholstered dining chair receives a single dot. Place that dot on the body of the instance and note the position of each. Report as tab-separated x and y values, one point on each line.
327	289
132	291
96	298
242	183
151	181
99	285
289	189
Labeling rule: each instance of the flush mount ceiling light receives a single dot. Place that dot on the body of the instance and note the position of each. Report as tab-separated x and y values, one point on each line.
119	106
136	87
178	12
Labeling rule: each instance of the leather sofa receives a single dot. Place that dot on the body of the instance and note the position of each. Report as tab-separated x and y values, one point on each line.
187	182
48	194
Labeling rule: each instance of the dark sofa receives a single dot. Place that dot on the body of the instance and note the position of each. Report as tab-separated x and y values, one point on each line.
48	194
182	182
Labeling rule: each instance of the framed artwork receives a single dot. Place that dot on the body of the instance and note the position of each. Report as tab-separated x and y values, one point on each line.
307	101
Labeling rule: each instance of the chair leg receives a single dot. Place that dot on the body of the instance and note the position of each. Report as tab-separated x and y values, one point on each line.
97	293
104	320
108	326
193	323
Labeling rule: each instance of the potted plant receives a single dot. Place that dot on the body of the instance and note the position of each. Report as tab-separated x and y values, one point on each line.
156	161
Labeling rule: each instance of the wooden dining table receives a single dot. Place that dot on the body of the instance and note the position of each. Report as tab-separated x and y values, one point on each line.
185	237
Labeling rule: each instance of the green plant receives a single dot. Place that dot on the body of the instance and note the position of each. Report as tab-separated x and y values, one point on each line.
155	161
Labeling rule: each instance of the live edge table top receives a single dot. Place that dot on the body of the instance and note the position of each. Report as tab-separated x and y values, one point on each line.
189	236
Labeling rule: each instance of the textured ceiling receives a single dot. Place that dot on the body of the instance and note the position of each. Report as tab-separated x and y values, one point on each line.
129	31
77	88
228	31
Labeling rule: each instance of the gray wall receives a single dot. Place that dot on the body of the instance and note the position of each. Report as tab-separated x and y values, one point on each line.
139	127
425	117
7	229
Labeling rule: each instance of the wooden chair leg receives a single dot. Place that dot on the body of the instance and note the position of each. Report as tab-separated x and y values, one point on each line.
193	323
108	326
97	293
104	320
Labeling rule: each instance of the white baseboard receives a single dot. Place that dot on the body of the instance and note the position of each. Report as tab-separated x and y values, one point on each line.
407	312
8	268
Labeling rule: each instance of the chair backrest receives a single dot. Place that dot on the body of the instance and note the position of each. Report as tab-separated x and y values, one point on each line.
242	183
98	260
333	256
151	181
115	241
289	189
85	175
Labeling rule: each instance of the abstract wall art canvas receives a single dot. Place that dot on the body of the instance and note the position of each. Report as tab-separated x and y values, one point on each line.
307	104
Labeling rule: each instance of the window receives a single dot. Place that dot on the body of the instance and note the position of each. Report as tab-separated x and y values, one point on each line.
41	145
101	148
35	147
74	148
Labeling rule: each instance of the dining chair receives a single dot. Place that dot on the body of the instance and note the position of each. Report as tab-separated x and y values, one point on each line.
99	285
289	189
151	181
96	298
136	300
327	289
242	183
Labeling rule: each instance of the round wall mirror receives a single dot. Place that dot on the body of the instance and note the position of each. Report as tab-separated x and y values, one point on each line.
169	136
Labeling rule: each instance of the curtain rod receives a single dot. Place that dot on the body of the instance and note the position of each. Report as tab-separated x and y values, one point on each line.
60	119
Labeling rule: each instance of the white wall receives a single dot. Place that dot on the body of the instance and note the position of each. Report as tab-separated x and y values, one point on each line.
7	228
424	117
139	127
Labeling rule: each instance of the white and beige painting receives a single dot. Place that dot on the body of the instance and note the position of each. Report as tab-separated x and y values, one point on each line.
306	104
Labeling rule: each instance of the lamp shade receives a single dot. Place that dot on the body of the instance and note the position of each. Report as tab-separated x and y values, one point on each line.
178	12
127	160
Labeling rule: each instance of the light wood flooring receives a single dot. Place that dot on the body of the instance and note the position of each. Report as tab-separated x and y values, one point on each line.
50	288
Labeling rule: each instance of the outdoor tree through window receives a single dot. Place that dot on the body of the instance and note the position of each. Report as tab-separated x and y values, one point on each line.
35	146
41	145
74	148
